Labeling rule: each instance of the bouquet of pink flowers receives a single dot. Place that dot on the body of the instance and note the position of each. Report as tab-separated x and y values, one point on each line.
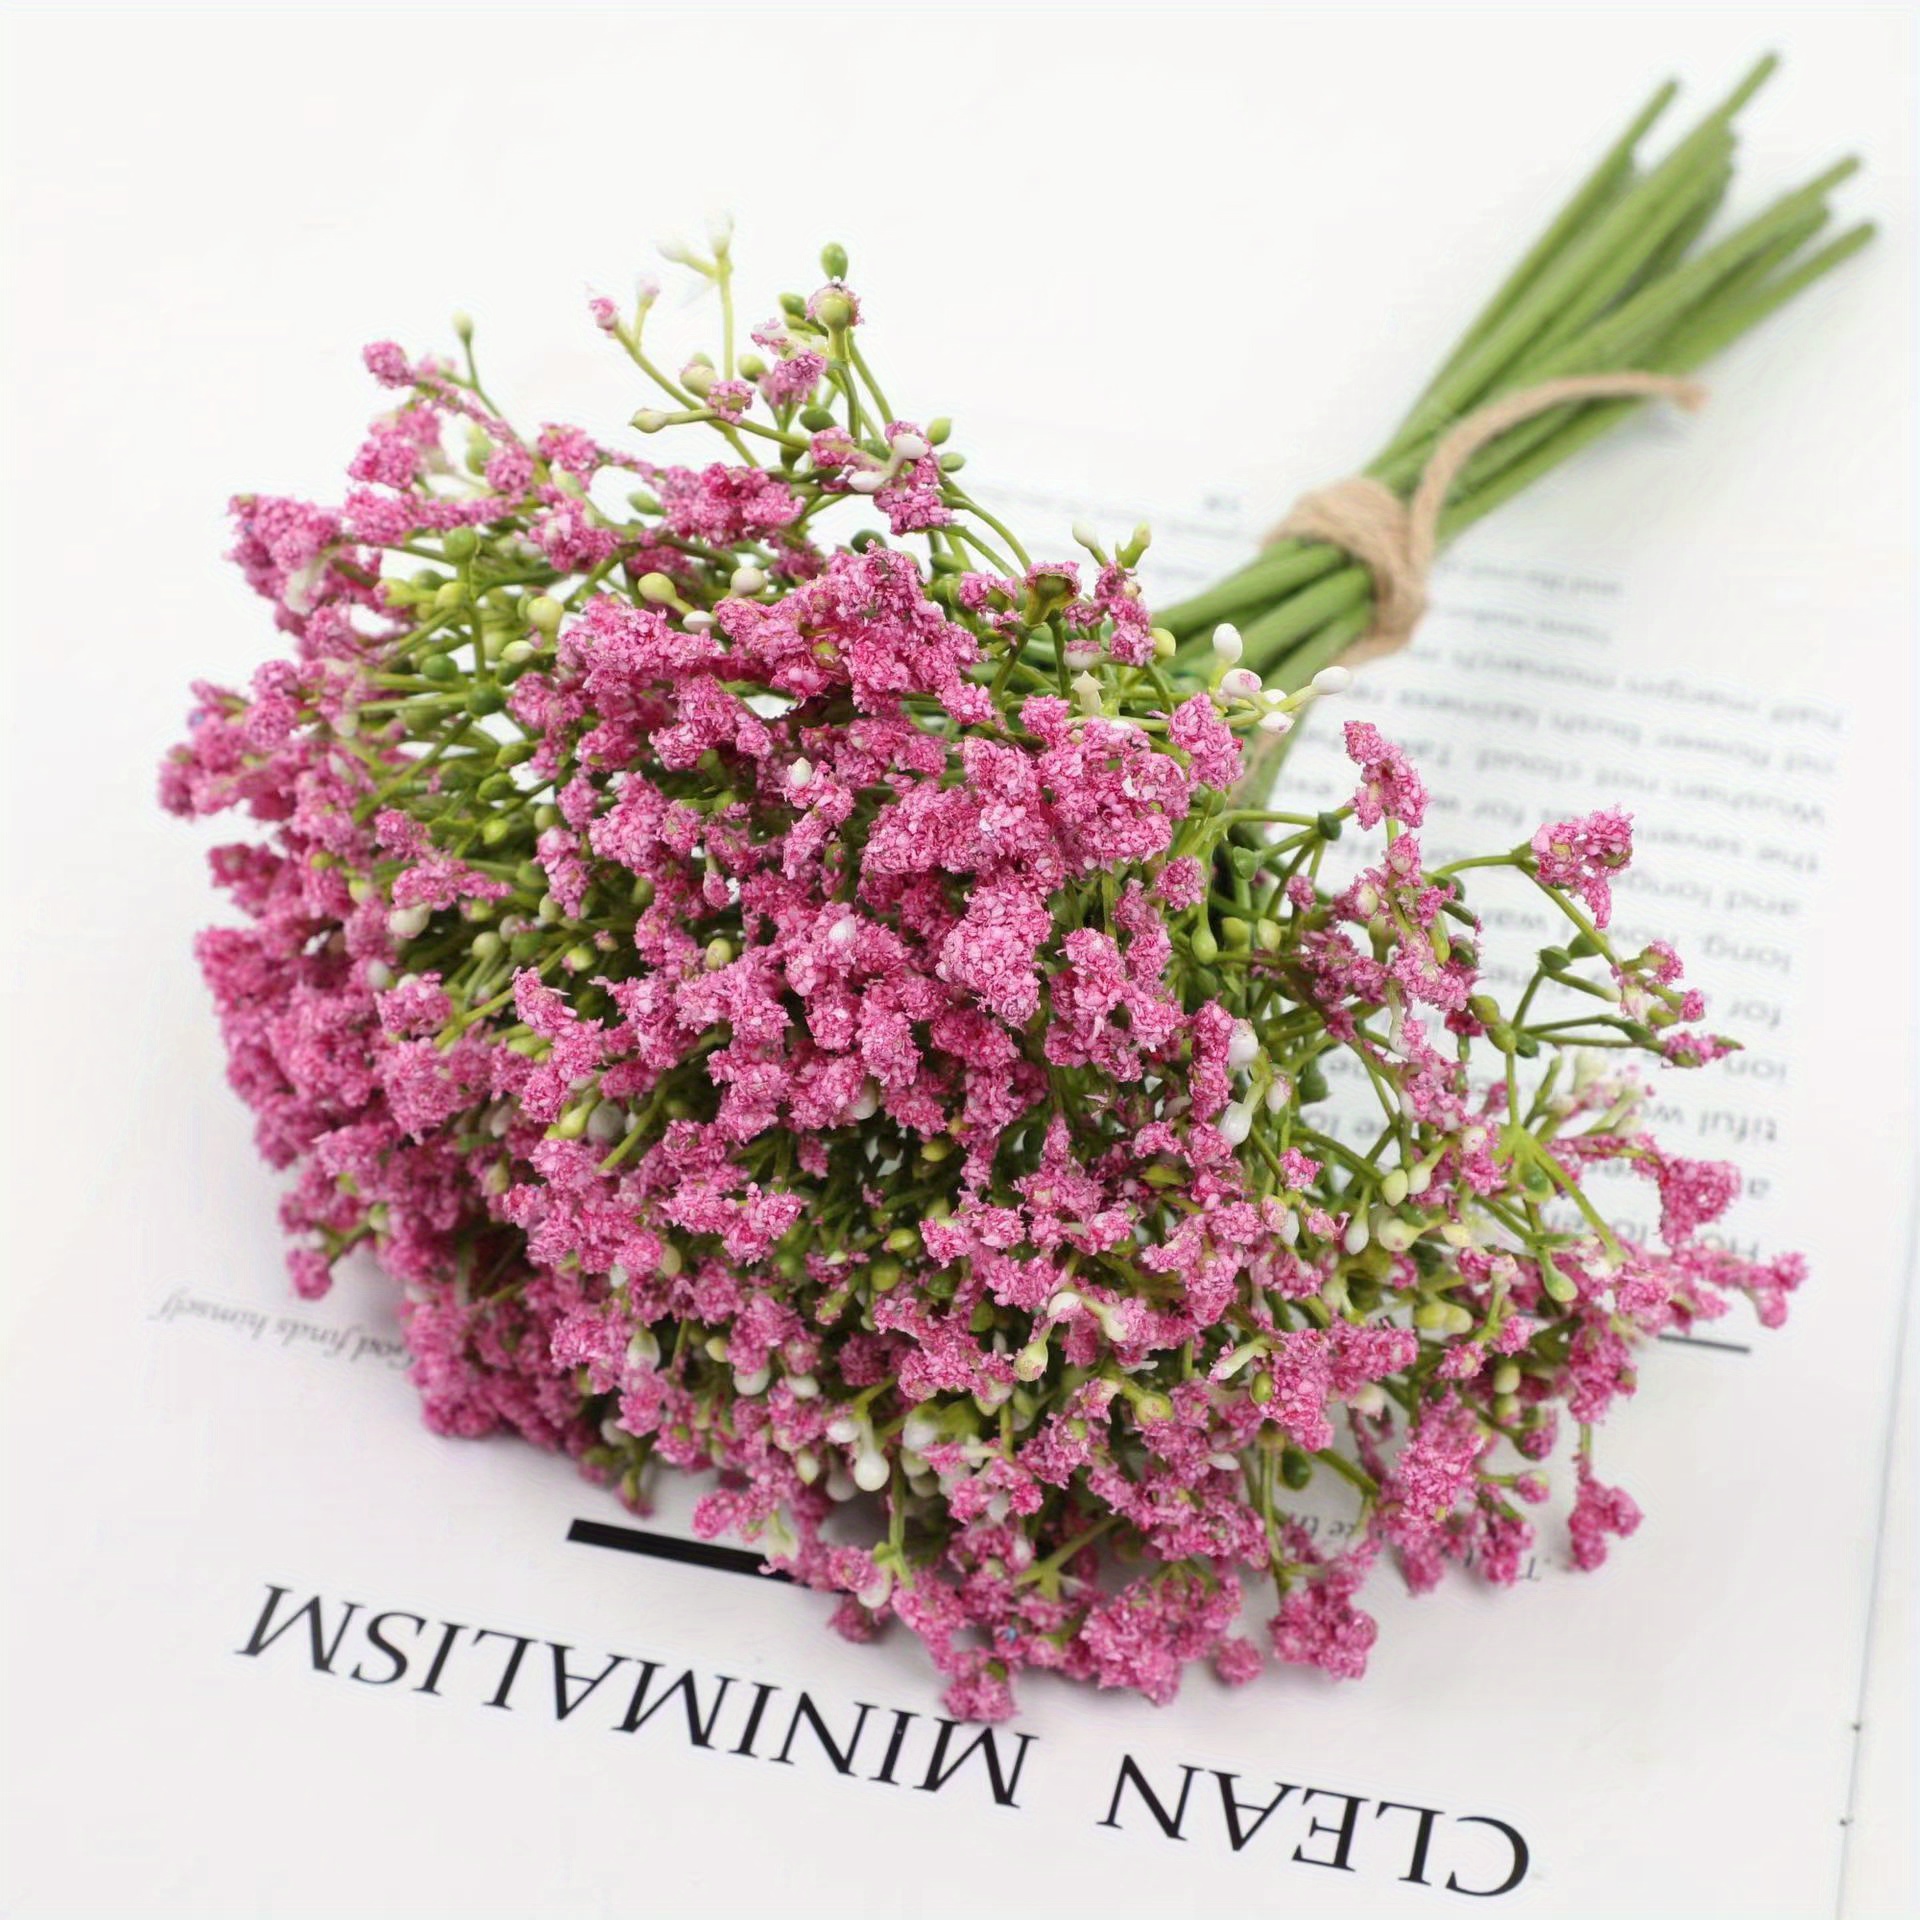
791	986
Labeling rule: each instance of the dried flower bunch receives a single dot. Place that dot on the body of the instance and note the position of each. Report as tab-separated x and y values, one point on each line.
820	1005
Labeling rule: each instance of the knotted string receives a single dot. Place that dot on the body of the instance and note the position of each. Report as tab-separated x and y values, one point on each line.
1397	542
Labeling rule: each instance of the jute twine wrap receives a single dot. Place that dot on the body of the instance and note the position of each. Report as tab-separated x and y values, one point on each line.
1397	542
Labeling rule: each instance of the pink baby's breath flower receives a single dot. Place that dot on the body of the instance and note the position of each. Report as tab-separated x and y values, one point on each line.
813	1007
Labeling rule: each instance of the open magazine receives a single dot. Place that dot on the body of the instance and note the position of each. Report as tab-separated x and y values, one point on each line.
311	1656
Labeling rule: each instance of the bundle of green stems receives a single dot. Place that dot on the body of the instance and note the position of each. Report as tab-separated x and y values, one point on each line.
1619	280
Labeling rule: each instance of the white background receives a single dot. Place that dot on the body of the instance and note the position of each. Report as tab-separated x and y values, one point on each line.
1245	233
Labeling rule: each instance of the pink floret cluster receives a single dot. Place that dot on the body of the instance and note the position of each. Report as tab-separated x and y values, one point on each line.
822	1013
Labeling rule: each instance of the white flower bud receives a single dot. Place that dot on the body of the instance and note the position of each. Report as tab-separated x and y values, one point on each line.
1279	1092
606	1123
1086	693
1241	683
747	580
919	1431
1354	1240
800	773
843	932
698	622
643	1350
866	480
379	975
843	1429
1370	1400
1332	680
752	1382
1226	644
1397	1235
1031	1361
1243	1046
839	1483
1235	1123
867	1104
1276	722
408	923
1395	1187
909	446
870	1470
803	1386
873	1592
1085	536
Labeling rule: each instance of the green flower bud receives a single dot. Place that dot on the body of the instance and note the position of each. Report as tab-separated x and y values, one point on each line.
1203	946
1558	1286
1296	1466
938	430
833	260
545	613
816	419
1506	1377
439	668
833	310
460	544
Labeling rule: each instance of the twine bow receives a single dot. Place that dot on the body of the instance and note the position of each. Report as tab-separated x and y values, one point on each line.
1397	542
